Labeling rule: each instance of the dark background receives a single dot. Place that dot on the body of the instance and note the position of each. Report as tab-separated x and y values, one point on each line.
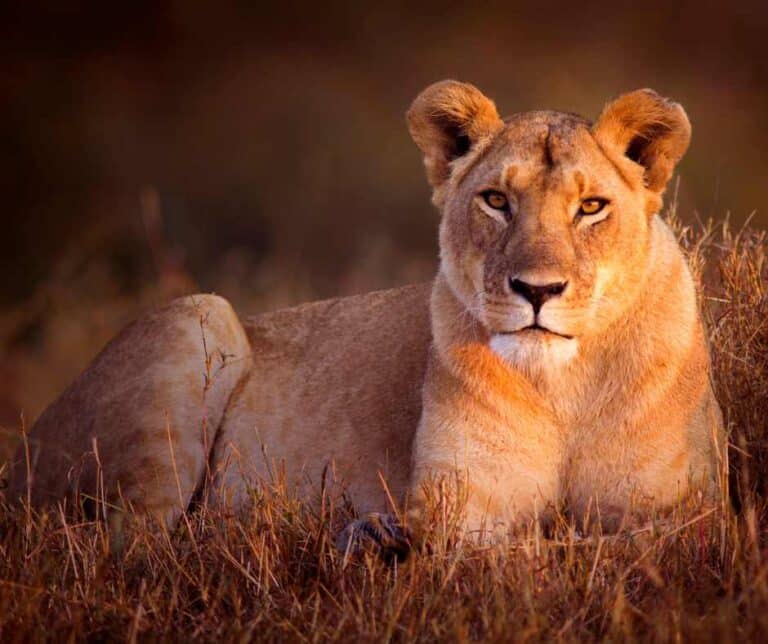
152	149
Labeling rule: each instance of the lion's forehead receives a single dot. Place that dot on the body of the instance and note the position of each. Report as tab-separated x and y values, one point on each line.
552	146
561	124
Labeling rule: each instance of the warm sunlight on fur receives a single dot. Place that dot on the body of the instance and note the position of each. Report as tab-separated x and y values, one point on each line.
557	364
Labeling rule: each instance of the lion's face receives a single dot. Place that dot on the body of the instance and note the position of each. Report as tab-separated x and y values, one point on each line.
546	218
543	238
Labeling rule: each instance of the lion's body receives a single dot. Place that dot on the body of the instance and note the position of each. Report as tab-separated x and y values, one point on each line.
555	361
289	413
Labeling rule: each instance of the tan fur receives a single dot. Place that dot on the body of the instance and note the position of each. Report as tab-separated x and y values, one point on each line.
608	410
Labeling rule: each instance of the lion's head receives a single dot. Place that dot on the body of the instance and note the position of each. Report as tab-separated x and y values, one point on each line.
546	230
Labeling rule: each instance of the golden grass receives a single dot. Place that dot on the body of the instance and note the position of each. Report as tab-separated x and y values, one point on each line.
275	574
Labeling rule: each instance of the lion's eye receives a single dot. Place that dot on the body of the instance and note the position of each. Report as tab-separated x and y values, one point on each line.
592	206
496	200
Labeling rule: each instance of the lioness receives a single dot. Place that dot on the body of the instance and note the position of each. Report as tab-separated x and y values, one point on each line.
556	360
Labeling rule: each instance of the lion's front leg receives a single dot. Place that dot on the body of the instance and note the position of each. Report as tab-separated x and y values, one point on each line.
480	493
482	470
473	479
485	461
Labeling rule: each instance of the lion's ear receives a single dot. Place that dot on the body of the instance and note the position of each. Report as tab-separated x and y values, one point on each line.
446	120
649	129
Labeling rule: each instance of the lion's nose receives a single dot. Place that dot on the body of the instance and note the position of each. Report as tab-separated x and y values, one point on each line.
537	294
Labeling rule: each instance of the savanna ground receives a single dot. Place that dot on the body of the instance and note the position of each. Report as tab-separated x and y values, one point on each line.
276	575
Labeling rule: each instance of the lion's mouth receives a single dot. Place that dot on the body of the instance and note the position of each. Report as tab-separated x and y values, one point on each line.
538	329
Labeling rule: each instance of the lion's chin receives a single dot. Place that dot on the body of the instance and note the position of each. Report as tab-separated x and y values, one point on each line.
528	348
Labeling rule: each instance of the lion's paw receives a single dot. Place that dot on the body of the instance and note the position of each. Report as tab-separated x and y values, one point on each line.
380	533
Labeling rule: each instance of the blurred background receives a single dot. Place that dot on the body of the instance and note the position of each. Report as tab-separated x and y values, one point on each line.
156	148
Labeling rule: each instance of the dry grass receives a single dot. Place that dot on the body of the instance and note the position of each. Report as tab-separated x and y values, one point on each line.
275	575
